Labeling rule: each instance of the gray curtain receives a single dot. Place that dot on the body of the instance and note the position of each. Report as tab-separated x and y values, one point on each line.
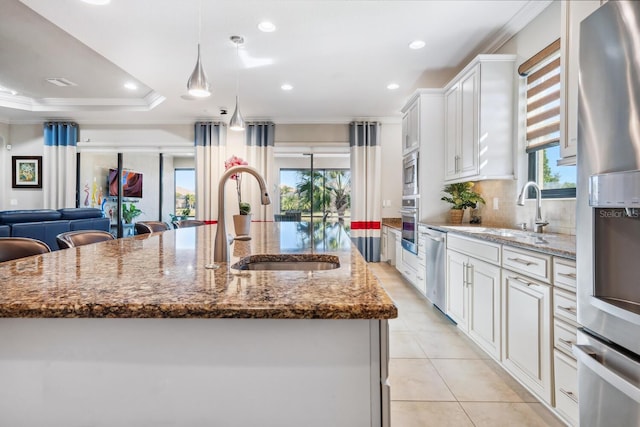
366	173
260	138
210	142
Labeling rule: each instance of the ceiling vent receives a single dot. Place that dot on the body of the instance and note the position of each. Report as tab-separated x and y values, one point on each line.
61	81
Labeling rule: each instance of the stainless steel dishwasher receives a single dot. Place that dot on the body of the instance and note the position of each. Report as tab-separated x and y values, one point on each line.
434	252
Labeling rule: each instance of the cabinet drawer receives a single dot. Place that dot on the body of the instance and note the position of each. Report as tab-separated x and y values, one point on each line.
566	387
564	336
530	264
564	306
485	251
564	274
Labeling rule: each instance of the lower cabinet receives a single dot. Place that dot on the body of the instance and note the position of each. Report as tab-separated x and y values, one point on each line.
526	349
566	386
473	299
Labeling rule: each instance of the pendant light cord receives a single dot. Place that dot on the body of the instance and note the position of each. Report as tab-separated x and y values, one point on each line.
237	69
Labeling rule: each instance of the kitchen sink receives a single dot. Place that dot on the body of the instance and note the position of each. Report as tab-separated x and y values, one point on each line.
288	262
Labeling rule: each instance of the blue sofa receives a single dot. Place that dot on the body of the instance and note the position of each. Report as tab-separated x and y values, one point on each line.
46	224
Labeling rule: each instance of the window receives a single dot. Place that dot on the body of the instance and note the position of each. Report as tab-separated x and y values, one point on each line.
185	193
329	188
543	124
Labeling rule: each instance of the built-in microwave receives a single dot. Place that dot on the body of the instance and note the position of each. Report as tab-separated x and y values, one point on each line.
410	175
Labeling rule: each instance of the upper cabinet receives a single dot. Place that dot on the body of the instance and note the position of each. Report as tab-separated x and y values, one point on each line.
411	128
571	15
423	119
479	120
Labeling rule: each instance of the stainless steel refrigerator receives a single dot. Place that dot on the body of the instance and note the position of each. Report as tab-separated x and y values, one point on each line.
608	217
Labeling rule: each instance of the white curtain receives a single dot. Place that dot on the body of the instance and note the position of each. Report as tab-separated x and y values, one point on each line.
260	138
366	172
59	165
210	141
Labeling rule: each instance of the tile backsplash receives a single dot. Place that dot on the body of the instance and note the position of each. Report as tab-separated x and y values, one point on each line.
559	213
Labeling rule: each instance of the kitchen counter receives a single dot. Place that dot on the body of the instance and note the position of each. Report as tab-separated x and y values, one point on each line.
163	275
393	223
137	331
562	245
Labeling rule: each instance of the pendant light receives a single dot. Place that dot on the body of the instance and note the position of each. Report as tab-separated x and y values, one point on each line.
237	122
198	85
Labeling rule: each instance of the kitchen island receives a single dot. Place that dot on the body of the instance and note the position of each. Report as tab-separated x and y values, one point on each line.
138	332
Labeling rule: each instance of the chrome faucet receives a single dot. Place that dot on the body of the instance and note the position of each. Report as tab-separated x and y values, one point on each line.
221	249
539	222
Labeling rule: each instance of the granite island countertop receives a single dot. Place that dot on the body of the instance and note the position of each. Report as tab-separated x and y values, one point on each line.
163	275
562	245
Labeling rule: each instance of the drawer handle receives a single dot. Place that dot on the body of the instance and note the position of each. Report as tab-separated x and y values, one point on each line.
566	342
522	261
568	275
570	310
521	280
571	395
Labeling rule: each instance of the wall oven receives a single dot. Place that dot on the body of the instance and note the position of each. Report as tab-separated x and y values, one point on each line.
409	214
608	218
410	175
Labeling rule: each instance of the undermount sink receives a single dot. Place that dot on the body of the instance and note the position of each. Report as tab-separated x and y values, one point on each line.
288	262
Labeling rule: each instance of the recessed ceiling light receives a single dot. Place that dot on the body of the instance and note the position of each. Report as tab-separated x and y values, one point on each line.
416	44
131	86
97	2
266	27
286	86
393	86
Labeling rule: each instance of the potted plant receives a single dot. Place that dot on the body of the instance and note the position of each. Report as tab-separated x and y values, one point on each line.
242	221
128	214
461	196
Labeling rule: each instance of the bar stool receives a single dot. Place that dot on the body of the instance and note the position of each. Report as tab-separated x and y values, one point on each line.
188	223
71	239
146	227
20	247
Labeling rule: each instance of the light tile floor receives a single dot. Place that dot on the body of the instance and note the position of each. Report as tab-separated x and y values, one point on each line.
441	378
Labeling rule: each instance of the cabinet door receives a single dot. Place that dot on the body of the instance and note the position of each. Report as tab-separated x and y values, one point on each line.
405	132
484	306
469	116
457	288
451	133
572	13
527	332
411	128
398	249
383	245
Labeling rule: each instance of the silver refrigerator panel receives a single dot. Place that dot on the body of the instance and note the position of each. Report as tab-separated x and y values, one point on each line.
608	141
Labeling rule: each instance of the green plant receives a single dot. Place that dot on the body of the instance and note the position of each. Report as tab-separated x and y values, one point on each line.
175	218
245	208
461	195
128	214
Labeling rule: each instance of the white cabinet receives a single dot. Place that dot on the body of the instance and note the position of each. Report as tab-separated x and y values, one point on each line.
474	292
565	331
411	128
423	118
409	266
479	116
421	270
384	243
398	250
526	332
572	13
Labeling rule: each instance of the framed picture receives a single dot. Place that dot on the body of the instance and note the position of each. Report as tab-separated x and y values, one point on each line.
26	172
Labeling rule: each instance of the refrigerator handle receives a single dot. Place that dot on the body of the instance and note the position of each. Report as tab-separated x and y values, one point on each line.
588	358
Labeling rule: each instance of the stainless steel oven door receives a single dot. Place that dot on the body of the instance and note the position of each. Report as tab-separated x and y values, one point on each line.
410	175
409	214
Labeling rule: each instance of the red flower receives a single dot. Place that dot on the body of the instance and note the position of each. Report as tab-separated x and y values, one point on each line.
234	161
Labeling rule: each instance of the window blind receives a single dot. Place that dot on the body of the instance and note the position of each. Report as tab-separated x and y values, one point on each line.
542	72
